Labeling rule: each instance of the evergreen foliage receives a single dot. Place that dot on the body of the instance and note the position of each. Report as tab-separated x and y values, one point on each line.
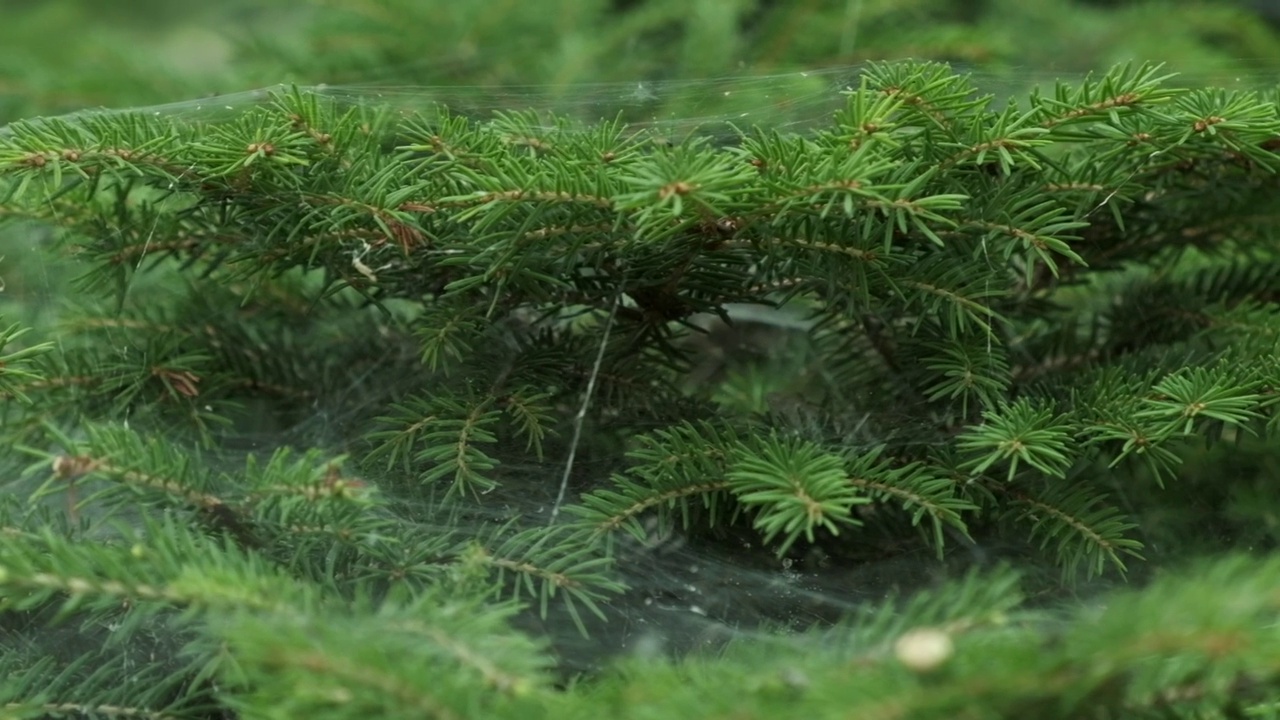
463	299
366	406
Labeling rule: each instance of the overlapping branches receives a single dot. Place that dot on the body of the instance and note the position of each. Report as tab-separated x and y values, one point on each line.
1039	294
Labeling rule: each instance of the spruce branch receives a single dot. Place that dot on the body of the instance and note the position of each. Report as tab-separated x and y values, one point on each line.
672	467
793	488
328	665
1021	432
16	365
1085	529
996	308
97	684
921	492
547	561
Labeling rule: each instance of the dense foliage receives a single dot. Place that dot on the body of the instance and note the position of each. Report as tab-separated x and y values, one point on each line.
856	392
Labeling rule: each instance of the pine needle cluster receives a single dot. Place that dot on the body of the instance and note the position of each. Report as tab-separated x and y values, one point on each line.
357	405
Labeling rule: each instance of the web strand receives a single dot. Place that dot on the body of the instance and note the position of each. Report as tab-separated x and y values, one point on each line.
580	418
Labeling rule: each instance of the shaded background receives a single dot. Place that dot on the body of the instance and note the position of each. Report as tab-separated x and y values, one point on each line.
63	55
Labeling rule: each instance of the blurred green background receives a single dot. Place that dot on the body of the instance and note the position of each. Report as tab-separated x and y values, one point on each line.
63	55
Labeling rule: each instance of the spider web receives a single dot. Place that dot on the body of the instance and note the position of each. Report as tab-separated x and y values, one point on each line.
712	106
